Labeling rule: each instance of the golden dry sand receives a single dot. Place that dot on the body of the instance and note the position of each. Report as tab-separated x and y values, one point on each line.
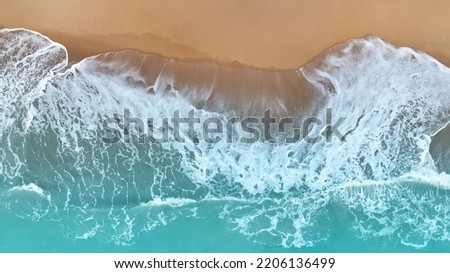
261	33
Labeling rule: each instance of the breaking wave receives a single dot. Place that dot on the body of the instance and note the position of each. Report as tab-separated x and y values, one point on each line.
388	173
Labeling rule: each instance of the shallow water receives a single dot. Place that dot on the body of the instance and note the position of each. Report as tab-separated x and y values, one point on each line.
202	227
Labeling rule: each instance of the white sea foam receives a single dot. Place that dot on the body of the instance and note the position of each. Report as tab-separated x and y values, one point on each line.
30	188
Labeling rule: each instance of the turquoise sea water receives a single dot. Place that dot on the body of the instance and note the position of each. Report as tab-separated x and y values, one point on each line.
383	187
208	232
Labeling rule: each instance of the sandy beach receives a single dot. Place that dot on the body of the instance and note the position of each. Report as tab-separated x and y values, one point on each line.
261	33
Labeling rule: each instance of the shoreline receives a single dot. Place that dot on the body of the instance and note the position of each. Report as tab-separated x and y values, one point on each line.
81	47
258	34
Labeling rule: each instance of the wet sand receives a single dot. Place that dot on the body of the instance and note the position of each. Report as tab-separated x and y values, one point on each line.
261	33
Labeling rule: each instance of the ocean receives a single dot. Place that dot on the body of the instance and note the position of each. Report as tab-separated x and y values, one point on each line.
116	153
